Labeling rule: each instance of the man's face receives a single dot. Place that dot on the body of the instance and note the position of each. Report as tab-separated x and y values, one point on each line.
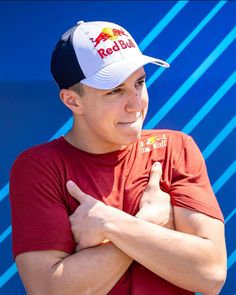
113	118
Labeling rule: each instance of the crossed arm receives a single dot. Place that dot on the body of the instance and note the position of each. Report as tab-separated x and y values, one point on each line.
192	256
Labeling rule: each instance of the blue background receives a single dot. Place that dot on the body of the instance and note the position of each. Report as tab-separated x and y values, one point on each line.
196	95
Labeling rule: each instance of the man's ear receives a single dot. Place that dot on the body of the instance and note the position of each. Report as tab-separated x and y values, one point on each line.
71	99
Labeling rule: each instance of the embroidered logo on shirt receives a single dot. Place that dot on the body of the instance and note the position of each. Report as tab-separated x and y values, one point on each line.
153	142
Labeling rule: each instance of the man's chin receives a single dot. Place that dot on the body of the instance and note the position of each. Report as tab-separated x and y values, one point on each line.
132	137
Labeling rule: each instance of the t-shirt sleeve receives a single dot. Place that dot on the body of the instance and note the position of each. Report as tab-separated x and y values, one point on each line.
39	212
190	187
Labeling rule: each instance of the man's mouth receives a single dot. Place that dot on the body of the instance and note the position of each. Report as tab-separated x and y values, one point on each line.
133	121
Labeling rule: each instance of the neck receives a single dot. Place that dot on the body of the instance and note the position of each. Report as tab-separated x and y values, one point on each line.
77	138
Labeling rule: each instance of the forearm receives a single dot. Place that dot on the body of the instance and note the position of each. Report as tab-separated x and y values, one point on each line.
91	271
185	260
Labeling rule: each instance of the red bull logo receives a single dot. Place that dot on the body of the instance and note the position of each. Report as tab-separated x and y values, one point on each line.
108	34
153	142
112	35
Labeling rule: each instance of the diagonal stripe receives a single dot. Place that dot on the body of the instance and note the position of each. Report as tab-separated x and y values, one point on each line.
231	259
227	219
162	24
5	234
219	138
63	130
224	177
210	104
8	275
186	42
192	79
4	191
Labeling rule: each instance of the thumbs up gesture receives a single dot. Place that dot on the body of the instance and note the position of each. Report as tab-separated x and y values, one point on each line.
155	205
87	222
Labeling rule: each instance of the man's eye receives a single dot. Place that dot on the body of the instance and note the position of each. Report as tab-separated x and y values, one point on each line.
115	91
140	83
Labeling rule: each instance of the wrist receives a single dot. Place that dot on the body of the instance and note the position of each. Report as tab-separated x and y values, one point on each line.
110	225
118	223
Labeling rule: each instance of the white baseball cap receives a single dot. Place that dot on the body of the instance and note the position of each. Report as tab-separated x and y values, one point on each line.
98	54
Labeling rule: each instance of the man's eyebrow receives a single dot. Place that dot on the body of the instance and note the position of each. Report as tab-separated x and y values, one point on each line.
141	78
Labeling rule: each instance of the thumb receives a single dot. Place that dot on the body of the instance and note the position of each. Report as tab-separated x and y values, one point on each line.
155	175
75	191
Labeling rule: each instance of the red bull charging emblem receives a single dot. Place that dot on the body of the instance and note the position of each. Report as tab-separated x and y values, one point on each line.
108	33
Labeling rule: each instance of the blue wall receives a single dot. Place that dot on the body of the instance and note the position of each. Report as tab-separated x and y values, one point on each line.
196	95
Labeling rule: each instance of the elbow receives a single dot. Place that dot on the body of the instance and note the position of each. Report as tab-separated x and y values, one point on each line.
214	282
59	283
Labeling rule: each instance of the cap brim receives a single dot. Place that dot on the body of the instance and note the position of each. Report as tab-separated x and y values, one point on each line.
116	73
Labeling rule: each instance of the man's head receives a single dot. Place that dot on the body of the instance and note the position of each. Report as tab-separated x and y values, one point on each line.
98	54
99	69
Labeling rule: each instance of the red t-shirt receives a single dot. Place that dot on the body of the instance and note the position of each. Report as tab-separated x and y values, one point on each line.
41	204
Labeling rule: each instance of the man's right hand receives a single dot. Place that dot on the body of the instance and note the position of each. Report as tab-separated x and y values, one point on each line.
155	205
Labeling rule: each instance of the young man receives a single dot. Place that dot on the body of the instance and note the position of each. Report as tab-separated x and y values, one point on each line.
109	208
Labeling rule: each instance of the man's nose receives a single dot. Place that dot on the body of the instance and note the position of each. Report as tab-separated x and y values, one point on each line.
133	102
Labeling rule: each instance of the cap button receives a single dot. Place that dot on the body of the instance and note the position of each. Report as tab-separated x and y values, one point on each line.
80	22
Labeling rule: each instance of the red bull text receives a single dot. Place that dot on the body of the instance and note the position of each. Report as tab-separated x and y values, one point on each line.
118	45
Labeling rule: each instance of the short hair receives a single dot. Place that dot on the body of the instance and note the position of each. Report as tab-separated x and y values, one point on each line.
78	88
